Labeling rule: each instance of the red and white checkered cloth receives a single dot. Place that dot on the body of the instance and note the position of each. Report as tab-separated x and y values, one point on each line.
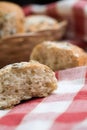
65	109
75	11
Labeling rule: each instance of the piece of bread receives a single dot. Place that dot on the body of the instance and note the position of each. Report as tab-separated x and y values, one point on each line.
59	55
22	81
36	23
11	19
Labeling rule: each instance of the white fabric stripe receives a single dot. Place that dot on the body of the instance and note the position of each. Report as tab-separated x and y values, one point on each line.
44	107
65	9
76	104
81	125
85	26
72	73
35	125
73	86
3	112
38	8
55	107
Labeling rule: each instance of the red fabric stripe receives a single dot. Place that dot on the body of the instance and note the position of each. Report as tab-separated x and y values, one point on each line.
56	74
79	18
82	95
27	10
15	116
79	43
72	117
51	10
69	116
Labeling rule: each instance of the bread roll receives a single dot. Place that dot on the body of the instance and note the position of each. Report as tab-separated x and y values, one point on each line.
59	55
36	23
11	19
22	81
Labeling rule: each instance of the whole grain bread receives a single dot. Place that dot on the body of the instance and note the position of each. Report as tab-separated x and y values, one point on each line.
59	55
35	23
22	81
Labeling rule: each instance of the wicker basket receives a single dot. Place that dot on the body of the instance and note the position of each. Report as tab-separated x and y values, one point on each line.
17	48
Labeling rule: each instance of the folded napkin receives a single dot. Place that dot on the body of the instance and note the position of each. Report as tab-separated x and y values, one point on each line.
74	11
65	109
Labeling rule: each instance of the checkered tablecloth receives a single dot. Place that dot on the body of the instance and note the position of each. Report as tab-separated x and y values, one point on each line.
65	109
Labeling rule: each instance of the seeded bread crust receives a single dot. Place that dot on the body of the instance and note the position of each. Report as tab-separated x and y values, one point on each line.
22	81
11	19
59	55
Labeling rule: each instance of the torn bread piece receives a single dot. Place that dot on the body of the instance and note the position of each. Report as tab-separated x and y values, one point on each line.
22	81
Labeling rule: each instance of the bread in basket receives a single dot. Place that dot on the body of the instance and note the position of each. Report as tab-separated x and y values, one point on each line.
11	19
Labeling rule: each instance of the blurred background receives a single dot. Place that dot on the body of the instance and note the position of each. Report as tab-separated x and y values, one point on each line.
25	2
